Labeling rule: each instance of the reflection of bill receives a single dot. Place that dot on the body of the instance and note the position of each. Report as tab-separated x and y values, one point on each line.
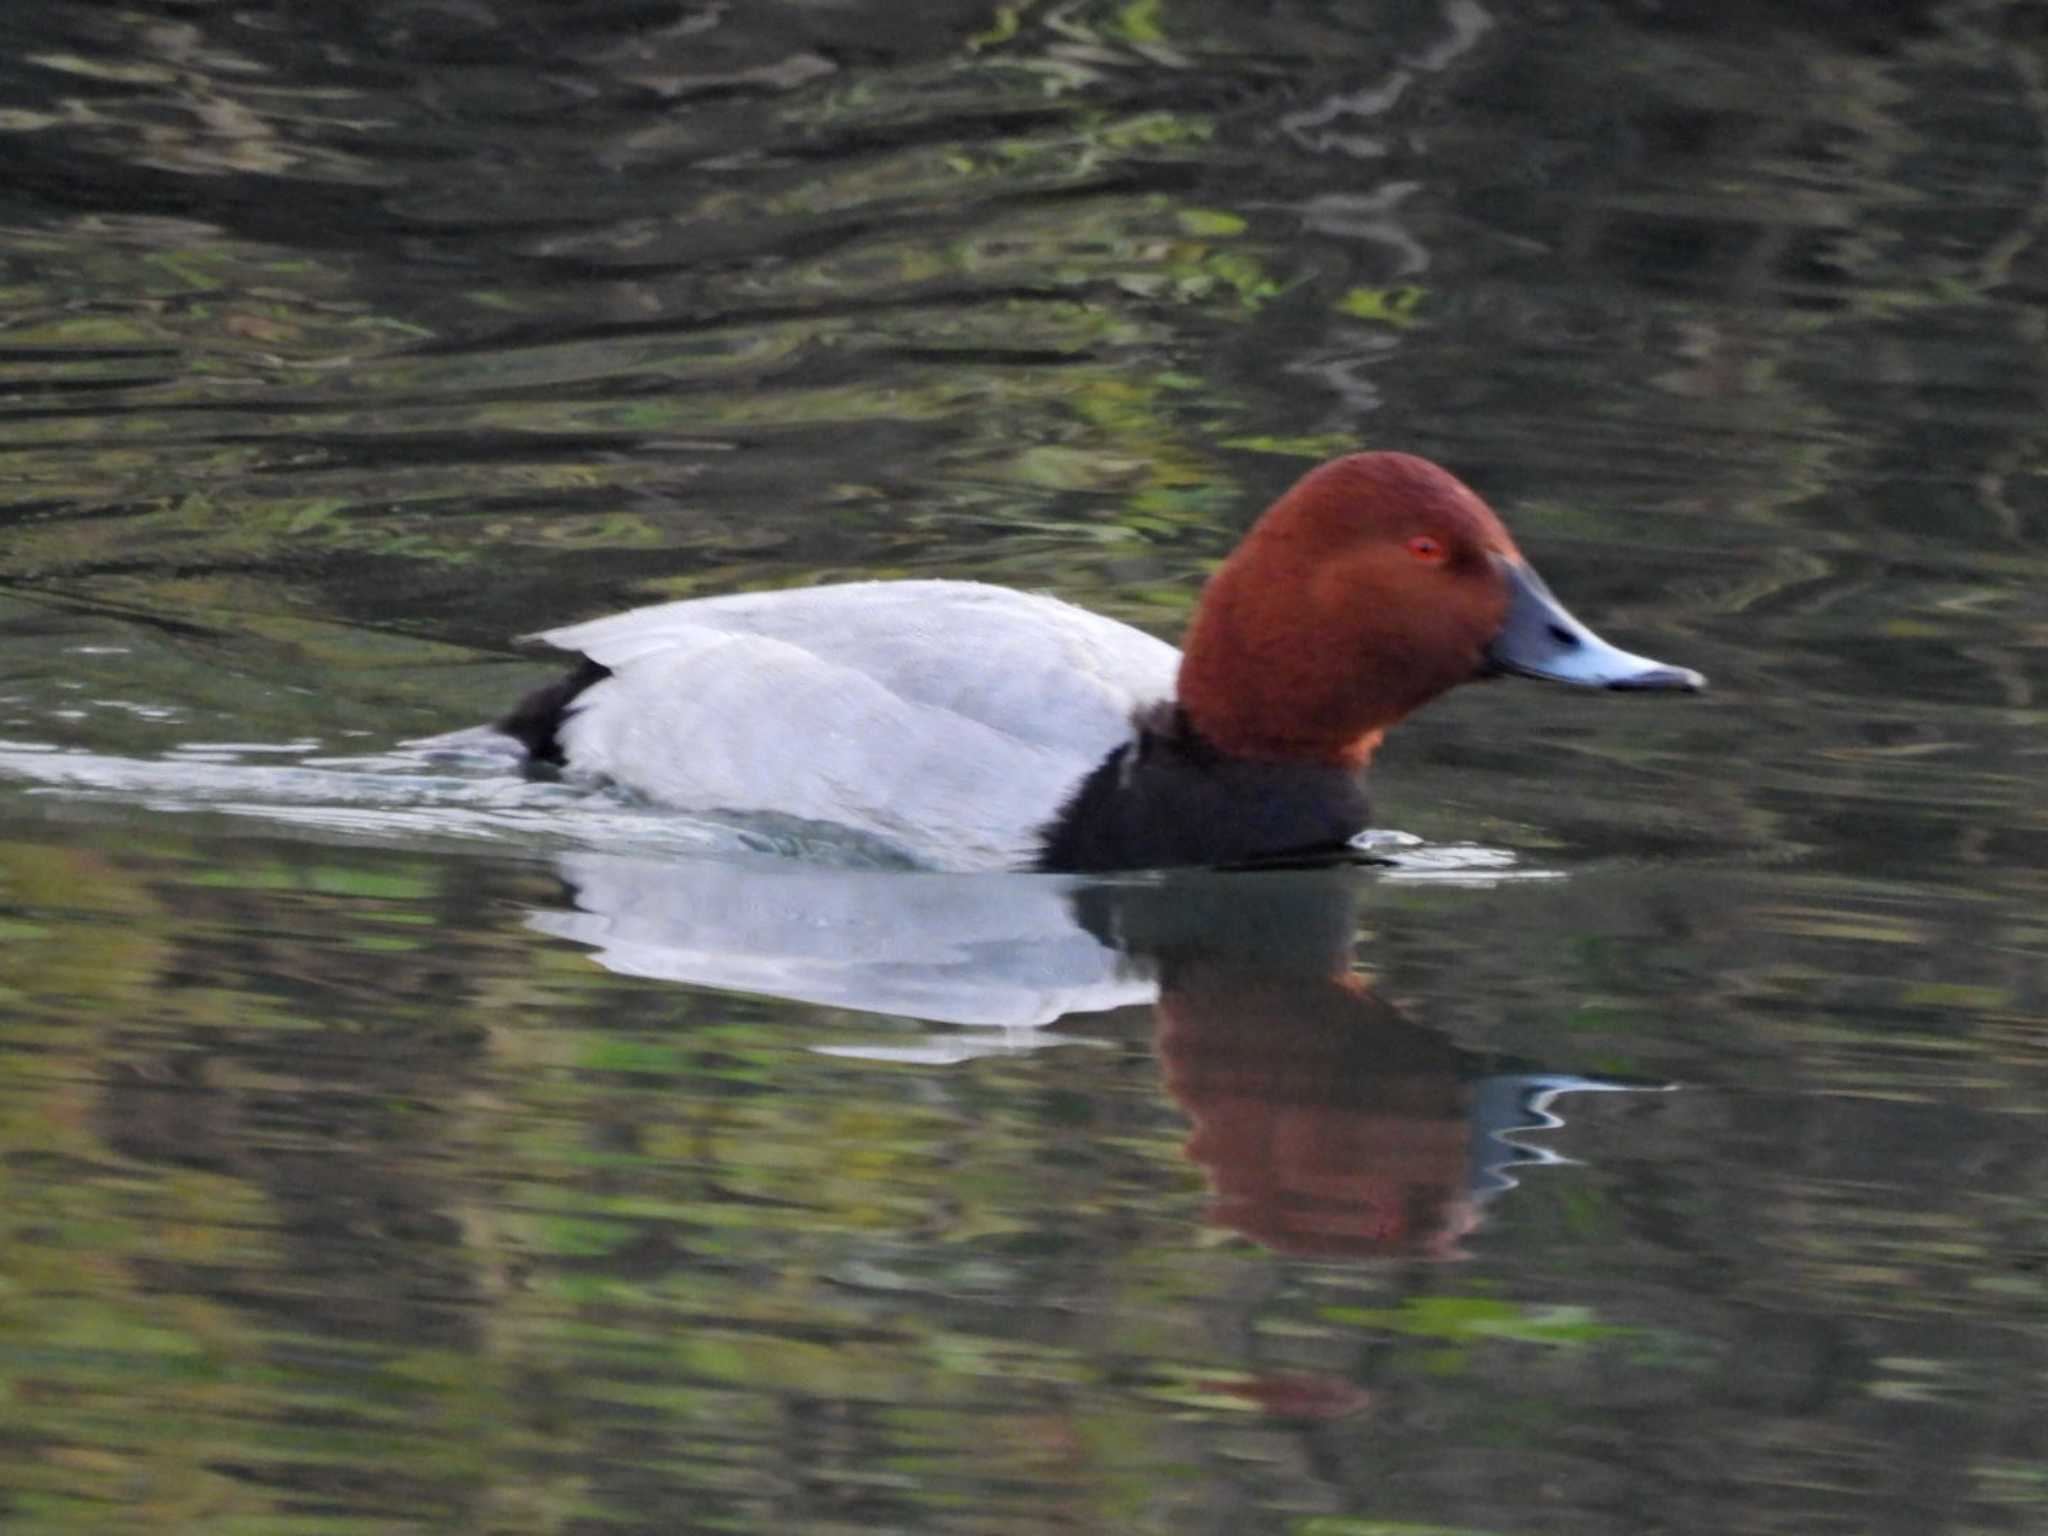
1326	1121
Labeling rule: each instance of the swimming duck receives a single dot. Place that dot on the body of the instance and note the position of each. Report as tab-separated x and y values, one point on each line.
972	726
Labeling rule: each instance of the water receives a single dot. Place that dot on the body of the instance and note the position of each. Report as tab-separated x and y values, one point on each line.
392	1146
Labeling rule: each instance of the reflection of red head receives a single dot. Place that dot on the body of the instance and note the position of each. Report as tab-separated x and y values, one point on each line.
1328	1125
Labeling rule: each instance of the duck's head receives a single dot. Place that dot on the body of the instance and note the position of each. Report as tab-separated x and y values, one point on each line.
1372	586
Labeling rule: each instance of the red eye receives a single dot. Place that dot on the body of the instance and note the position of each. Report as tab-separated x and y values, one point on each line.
1423	547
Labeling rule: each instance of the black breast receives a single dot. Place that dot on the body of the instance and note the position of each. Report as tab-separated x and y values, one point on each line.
1168	798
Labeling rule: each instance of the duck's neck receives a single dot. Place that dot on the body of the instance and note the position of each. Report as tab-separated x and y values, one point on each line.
1262	679
1169	797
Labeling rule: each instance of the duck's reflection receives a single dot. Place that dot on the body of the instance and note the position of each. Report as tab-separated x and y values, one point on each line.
1326	1121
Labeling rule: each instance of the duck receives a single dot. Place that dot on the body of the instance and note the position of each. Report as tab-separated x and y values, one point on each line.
968	726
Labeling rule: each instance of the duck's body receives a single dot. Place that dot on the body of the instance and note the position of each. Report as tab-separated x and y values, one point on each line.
972	726
951	718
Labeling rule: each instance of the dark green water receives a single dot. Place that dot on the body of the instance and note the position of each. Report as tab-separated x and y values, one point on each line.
1659	1148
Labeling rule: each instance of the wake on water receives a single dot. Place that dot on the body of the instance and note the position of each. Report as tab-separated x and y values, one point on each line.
473	787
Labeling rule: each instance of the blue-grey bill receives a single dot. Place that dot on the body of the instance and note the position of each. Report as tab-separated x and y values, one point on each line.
1540	638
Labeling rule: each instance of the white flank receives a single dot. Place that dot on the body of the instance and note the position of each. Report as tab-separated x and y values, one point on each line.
950	718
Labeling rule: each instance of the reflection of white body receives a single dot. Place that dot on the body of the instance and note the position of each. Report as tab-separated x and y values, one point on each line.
947	717
953	949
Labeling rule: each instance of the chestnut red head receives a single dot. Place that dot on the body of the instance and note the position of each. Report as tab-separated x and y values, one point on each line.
1376	583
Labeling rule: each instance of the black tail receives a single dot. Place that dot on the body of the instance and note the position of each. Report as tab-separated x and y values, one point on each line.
536	720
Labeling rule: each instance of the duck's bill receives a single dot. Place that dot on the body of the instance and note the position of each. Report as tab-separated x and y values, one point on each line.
1540	638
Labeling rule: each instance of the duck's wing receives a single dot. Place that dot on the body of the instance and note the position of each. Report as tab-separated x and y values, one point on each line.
1030	666
950	718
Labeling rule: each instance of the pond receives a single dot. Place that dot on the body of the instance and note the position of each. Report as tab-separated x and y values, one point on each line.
1651	1142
